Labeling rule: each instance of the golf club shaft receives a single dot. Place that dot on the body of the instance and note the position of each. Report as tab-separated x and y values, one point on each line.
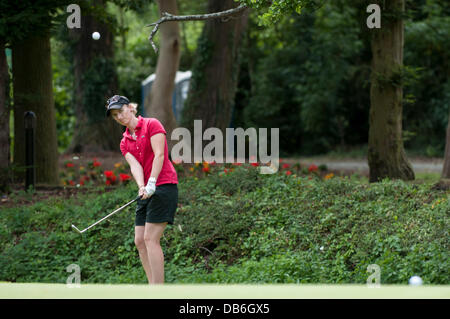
129	203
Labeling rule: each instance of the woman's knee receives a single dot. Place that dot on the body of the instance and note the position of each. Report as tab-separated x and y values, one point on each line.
151	241
139	242
153	233
139	232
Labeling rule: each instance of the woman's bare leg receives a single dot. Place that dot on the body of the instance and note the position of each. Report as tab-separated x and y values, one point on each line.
152	236
143	254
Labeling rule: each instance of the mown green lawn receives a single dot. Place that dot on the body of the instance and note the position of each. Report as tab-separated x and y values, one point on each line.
168	291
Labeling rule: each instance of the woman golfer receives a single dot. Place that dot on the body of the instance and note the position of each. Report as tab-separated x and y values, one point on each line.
144	146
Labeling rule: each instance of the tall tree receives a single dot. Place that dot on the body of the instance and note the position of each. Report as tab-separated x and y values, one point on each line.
220	48
386	155
158	103
216	69
446	168
95	81
4	108
25	26
33	91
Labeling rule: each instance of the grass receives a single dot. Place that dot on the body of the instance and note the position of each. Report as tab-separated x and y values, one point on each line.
359	152
168	291
430	178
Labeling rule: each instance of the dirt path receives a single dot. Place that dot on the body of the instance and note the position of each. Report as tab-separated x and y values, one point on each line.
362	166
420	165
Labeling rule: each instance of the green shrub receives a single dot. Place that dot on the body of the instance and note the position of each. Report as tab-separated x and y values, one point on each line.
241	227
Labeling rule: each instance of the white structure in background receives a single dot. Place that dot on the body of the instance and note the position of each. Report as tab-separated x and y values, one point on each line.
179	95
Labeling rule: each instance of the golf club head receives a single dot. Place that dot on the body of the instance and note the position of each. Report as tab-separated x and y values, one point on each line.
73	226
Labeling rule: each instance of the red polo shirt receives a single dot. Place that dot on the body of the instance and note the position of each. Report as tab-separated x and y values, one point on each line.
141	149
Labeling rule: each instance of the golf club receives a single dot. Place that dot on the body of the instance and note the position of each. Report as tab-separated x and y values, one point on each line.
117	210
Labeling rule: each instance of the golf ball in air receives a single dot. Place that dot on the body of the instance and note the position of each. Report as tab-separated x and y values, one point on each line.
95	35
415	281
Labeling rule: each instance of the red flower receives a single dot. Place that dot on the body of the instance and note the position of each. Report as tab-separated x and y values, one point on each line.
71	182
69	164
109	174
288	173
81	182
96	164
255	164
237	164
312	168
206	169
286	166
110	177
124	177
108	182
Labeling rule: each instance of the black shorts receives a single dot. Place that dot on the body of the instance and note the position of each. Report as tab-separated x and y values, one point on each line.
160	207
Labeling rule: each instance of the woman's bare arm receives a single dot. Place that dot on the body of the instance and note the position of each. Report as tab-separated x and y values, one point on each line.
158	142
136	169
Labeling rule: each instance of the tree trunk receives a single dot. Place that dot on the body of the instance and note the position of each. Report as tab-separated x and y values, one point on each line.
33	91
386	155
158	103
446	168
95	81
4	109
216	69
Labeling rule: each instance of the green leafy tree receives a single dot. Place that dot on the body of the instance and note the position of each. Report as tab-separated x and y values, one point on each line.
310	79
25	27
4	117
158	103
213	103
95	80
427	90
215	70
386	155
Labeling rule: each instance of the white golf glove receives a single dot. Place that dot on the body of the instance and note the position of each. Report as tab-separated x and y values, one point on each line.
150	188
